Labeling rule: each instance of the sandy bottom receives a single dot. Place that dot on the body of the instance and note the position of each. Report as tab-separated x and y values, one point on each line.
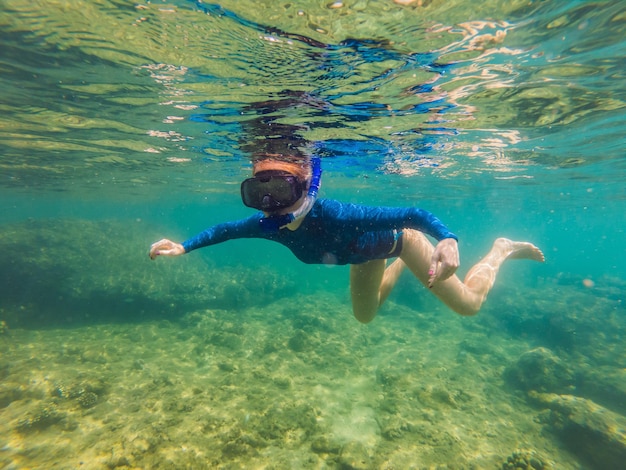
296	384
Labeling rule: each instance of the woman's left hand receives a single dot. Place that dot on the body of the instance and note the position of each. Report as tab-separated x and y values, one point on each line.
445	261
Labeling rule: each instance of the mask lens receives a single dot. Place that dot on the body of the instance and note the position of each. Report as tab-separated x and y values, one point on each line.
269	192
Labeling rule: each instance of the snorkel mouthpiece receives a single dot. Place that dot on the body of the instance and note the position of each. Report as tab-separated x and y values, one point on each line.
267	202
274	223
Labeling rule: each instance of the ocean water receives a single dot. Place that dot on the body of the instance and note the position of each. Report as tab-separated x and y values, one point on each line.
123	123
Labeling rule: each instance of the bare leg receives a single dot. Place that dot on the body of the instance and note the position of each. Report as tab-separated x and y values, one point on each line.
391	276
370	285
481	277
464	298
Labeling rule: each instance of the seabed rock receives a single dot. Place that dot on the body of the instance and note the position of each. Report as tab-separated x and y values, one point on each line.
591	431
299	342
525	460
605	385
355	456
540	370
324	445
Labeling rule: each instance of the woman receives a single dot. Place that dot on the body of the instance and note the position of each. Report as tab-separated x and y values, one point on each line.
331	232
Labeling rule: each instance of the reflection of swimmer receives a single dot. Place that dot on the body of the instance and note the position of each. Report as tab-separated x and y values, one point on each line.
332	232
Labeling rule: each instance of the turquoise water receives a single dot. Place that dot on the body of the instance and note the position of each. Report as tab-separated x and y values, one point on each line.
123	123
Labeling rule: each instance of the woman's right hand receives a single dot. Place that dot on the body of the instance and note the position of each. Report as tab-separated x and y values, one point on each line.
166	247
444	262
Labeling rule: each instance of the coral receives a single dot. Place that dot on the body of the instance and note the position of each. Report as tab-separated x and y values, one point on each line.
46	415
85	392
394	427
87	399
524	460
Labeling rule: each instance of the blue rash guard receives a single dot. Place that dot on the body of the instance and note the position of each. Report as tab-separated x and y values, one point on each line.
334	232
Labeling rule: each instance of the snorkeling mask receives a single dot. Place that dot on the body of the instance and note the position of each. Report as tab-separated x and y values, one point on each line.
273	190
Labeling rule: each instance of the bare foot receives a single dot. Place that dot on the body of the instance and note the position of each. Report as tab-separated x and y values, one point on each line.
408	2
519	250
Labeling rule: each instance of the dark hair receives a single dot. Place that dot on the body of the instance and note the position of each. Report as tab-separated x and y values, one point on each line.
267	137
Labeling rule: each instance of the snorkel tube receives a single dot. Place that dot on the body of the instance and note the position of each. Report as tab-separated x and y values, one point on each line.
274	223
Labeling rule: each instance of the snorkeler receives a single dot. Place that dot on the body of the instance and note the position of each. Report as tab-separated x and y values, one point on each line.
324	231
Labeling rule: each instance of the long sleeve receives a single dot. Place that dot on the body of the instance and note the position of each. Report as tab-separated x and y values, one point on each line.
366	218
245	228
333	232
